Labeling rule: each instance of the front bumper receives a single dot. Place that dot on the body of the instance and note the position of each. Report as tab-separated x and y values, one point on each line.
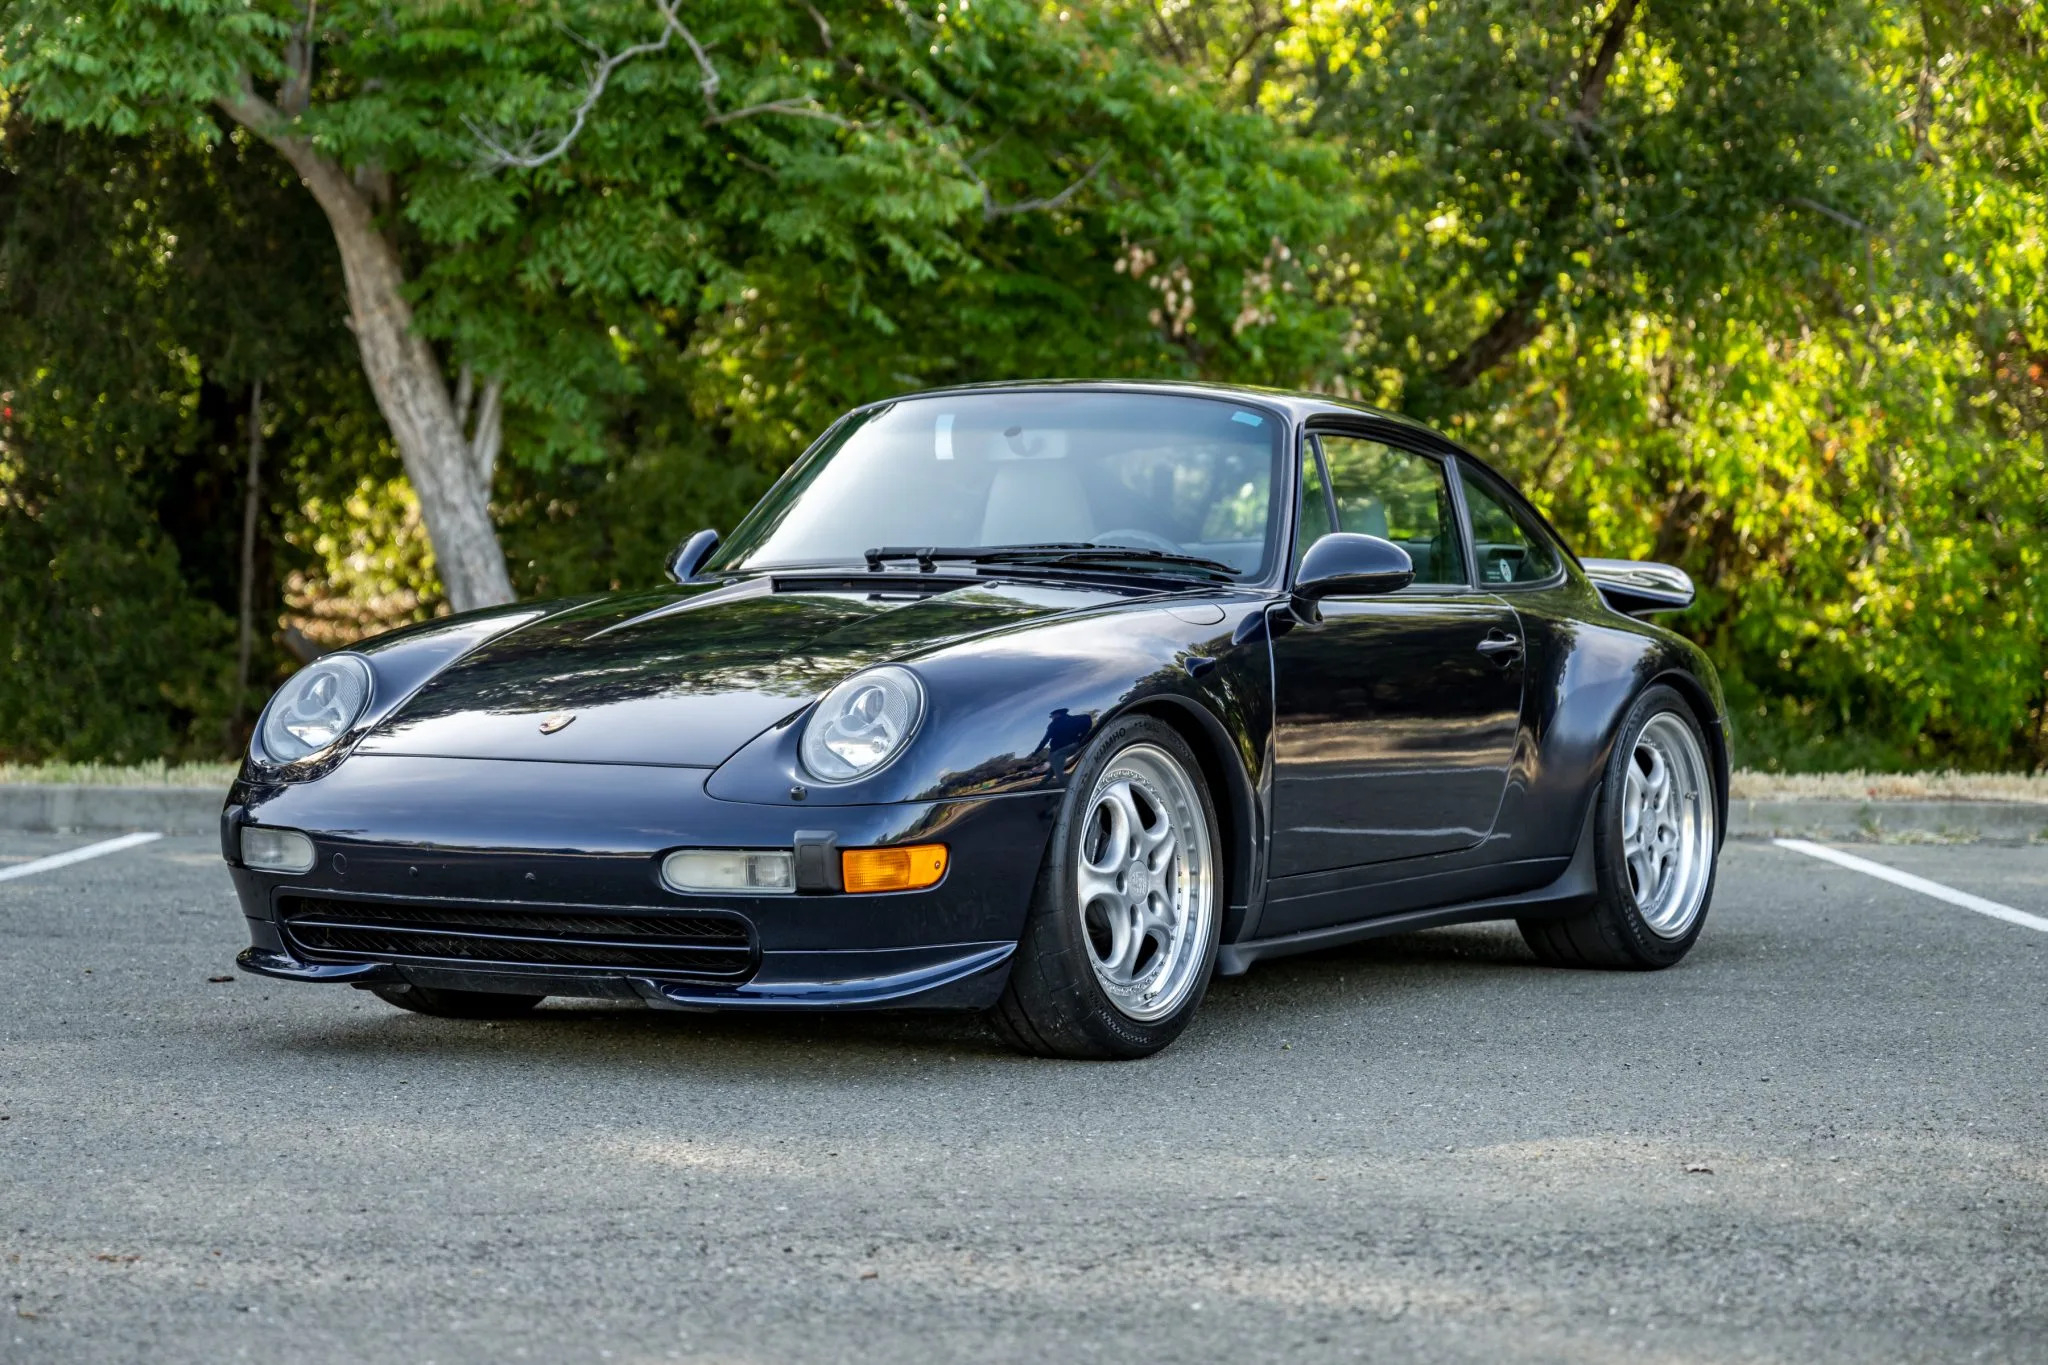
562	843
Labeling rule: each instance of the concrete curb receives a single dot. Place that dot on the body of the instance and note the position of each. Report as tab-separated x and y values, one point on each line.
167	810
196	810
1959	821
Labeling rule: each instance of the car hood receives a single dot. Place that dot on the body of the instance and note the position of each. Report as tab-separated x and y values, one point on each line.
685	677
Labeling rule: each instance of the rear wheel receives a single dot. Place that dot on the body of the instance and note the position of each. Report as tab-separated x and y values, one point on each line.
1121	940
456	1004
1656	841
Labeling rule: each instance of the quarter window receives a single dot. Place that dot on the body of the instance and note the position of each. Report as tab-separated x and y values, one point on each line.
1510	548
1396	495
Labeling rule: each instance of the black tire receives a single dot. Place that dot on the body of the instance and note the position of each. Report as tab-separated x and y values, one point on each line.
1611	932
444	1004
1054	1006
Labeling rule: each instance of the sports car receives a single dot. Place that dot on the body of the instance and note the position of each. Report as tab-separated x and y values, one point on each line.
1047	700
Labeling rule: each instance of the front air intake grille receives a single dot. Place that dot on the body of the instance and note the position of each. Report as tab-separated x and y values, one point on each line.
695	944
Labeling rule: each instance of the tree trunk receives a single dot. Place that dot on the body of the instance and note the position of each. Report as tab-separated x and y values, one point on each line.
403	371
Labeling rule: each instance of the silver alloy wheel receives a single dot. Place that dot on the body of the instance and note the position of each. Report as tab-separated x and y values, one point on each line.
1145	884
1667	825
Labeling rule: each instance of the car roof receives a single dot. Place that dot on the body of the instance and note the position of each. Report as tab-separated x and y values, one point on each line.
1299	406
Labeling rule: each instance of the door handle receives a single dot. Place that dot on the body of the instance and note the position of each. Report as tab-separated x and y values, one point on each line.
1501	647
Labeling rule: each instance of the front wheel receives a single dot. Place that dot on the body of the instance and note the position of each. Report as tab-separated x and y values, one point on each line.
1656	842
1121	940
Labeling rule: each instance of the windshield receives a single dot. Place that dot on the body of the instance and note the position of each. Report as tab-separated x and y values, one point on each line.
1171	474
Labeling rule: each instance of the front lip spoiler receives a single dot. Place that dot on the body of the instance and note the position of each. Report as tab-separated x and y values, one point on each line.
264	962
930	983
780	992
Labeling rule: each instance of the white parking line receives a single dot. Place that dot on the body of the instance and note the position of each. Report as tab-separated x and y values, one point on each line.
1913	883
76	855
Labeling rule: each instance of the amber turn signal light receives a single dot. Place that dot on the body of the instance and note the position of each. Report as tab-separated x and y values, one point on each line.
893	869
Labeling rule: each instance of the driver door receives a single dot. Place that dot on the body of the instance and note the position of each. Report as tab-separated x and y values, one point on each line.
1396	715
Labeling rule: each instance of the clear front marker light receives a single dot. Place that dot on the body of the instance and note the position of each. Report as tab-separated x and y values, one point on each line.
723	869
862	724
276	850
316	708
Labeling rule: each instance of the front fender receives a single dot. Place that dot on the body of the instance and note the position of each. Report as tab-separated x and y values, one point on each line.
401	662
1012	713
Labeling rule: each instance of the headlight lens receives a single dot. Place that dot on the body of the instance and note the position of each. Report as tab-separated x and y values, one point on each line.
862	724
316	707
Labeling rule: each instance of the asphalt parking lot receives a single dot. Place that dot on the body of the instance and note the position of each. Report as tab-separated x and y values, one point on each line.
1823	1137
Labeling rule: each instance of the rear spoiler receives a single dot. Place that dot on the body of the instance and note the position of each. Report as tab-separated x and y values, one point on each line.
1637	587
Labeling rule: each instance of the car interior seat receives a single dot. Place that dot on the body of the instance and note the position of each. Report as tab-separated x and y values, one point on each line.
1368	516
1037	499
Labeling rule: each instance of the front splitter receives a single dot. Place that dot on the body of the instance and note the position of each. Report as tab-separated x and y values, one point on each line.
956	976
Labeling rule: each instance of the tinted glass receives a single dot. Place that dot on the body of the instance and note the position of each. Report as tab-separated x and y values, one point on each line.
1312	520
1509	547
1152	471
1399	496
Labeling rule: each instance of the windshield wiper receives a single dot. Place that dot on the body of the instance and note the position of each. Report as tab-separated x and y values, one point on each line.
1115	554
929	557
1076	552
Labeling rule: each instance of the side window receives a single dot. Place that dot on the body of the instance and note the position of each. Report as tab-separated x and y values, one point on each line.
1312	515
1508	547
1399	496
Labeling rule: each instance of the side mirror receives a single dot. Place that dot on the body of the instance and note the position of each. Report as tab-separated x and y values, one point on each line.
1342	564
690	555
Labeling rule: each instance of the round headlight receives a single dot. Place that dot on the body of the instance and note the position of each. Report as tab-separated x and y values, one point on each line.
316	707
862	724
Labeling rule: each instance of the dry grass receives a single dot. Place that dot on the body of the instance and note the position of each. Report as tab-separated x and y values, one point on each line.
1861	786
159	774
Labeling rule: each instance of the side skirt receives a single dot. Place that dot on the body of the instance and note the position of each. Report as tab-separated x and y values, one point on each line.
1572	888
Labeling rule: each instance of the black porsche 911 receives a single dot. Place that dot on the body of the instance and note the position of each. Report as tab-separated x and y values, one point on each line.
1047	700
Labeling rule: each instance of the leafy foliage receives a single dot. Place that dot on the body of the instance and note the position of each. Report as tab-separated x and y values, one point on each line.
1754	288
1757	289
130	330
893	175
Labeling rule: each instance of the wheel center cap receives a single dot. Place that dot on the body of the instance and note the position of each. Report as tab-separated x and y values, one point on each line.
1139	885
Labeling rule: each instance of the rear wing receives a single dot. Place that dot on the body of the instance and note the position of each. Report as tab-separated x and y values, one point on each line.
1637	587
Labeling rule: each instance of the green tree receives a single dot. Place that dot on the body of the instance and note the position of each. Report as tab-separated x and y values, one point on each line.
145	287
547	193
1755	288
